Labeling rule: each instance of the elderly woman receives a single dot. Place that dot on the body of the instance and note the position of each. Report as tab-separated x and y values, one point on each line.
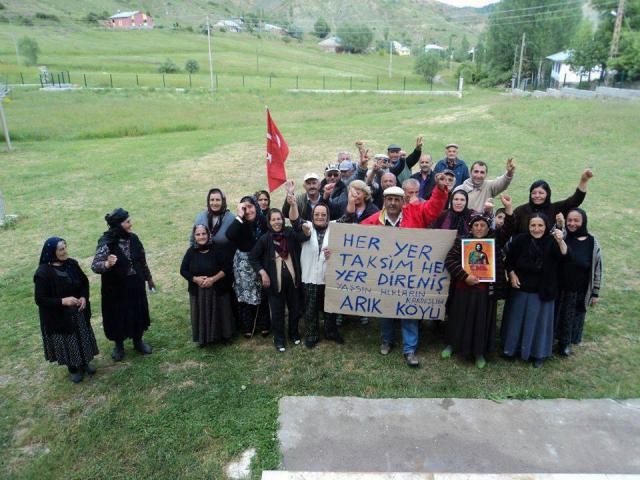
471	328
540	202
206	269
531	264
457	216
62	296
359	200
580	281
243	233
121	261
276	258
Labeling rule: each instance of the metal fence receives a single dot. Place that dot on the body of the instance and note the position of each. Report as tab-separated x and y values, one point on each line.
220	81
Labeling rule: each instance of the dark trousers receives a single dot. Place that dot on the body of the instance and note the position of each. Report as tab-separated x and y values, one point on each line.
570	315
288	296
314	297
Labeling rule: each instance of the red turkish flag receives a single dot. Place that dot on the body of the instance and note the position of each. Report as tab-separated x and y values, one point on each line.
277	152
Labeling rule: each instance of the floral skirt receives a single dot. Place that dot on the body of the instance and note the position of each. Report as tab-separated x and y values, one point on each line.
72	349
247	285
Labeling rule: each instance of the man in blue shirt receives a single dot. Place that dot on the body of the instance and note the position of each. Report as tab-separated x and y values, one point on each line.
452	162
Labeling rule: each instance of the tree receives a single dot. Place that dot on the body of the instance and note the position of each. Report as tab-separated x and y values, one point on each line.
295	32
321	28
428	65
192	66
168	66
548	26
29	50
355	37
588	51
628	61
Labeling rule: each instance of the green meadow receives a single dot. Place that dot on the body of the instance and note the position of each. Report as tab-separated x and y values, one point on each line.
185	412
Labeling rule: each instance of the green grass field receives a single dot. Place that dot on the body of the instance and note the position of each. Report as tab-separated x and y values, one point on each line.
186	412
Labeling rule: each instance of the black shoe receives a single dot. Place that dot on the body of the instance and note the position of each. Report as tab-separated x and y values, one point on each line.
117	353
295	340
335	337
538	362
142	347
280	347
564	350
310	342
507	357
77	376
89	369
265	333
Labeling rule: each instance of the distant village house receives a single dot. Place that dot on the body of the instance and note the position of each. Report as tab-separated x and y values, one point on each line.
562	73
228	26
331	45
400	49
134	19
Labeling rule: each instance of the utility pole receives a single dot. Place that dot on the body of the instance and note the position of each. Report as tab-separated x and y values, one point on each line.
210	59
520	62
390	58
4	91
615	41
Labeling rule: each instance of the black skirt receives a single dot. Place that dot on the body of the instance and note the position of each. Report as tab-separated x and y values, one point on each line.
471	327
72	349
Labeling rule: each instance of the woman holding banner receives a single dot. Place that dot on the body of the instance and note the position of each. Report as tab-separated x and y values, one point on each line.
531	263
471	327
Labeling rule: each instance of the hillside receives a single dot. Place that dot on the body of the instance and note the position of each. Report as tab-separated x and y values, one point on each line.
418	21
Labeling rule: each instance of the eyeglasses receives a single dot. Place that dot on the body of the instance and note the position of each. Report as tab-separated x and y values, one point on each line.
332	174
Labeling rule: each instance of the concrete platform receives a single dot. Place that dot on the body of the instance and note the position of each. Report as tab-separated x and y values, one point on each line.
344	434
273	475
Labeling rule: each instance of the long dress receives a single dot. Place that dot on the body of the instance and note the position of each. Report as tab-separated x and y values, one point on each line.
125	310
67	335
211	314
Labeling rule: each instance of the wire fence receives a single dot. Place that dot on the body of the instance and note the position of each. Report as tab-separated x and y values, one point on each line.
221	81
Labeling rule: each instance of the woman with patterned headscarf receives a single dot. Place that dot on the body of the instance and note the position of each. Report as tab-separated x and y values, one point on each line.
457	216
471	327
62	296
121	261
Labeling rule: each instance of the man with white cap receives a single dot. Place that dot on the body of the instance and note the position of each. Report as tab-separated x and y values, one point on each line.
398	214
452	162
307	199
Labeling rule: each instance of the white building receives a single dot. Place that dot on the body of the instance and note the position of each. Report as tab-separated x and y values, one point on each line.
562	73
400	49
432	47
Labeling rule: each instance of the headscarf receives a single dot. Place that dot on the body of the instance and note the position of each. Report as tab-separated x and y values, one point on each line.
582	231
114	220
535	252
206	246
547	201
458	219
213	229
48	254
259	225
279	240
479	217
257	195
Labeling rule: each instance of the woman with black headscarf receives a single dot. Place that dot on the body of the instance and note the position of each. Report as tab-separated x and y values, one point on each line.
457	216
580	281
540	202
531	264
120	260
206	269
62	296
276	258
243	233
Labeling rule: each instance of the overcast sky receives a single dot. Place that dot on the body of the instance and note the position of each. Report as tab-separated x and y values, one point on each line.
469	3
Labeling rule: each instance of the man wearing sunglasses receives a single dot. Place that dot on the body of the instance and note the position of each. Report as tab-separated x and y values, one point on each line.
334	191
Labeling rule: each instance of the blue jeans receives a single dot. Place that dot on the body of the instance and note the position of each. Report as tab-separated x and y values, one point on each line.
410	329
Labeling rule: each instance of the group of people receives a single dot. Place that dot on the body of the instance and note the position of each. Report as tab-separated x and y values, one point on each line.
246	270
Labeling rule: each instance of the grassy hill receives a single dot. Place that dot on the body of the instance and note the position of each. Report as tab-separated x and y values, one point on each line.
419	20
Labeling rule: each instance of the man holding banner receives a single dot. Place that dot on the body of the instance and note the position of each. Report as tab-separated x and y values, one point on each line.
396	214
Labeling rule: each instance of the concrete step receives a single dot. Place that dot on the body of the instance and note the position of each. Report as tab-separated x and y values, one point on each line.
349	434
279	475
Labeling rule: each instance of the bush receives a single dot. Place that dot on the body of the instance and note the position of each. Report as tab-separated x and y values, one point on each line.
428	65
192	66
356	38
321	28
47	16
25	21
28	49
2	7
286	39
168	66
